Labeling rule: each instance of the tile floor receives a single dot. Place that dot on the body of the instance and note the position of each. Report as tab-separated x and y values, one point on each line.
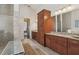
35	44
1	49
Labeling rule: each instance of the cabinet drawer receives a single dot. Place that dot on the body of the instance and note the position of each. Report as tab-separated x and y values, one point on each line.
72	41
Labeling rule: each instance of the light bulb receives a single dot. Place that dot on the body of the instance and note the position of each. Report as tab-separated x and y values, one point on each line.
69	7
64	9
59	11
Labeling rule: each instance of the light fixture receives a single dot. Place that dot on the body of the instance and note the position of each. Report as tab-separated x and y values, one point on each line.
59	11
70	7
64	10
67	9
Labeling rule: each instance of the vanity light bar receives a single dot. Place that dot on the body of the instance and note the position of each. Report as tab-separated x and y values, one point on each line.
64	10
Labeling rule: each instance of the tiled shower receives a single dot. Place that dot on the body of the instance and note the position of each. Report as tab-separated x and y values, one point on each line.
6	25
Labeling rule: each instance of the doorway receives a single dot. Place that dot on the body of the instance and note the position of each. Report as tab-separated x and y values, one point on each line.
27	28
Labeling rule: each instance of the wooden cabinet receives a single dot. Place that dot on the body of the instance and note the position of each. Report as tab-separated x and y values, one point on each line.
38	36
52	42
73	47
48	41
61	45
44	24
44	21
56	43
34	35
41	38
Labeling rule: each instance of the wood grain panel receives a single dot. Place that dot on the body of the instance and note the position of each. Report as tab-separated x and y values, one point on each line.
73	47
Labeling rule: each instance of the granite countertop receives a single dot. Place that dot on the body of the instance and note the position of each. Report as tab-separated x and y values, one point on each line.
64	34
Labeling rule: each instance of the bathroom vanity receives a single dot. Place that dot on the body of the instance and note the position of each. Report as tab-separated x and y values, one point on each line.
62	43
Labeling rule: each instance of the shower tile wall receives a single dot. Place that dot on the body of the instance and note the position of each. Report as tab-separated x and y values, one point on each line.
6	24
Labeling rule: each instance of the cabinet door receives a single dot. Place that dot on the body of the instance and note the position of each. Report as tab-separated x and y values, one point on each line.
52	44
48	41
61	45
33	35
48	27
40	22
73	47
60	49
41	38
61	40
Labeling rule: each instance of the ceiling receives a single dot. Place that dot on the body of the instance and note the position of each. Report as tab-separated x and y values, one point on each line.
51	7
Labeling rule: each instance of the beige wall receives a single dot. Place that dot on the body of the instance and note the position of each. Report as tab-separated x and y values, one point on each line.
27	12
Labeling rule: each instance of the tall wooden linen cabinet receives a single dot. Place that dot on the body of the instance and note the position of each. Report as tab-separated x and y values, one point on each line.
45	24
